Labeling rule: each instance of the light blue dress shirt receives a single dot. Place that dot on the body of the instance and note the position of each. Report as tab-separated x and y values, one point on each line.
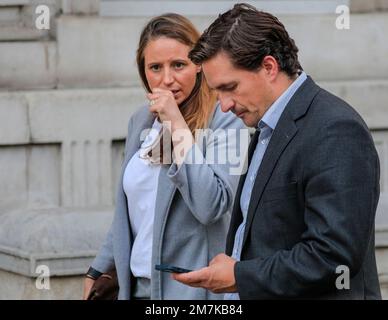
266	125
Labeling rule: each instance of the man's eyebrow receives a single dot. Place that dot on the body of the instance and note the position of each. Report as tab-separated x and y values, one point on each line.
226	86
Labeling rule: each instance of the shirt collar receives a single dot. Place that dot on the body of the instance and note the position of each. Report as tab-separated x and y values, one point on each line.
272	115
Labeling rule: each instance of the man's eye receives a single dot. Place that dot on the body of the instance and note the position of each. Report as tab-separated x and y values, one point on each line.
231	88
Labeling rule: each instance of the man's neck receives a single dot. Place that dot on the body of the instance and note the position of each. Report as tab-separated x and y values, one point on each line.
282	83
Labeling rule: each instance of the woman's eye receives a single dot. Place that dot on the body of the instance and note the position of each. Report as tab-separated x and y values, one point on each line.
155	67
179	65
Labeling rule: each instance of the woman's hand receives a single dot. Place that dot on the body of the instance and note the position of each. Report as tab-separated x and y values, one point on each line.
163	103
88	284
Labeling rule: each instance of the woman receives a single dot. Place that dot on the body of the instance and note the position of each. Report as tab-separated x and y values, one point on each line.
169	211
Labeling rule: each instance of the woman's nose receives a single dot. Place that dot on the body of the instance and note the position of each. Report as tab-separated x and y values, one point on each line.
168	78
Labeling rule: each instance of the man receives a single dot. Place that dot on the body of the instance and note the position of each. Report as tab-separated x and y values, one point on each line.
303	220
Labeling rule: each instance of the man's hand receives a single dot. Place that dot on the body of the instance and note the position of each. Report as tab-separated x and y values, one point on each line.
218	277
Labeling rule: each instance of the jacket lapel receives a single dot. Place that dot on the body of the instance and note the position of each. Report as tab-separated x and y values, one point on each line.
133	142
279	141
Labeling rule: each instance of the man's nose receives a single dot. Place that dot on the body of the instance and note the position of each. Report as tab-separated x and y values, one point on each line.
226	103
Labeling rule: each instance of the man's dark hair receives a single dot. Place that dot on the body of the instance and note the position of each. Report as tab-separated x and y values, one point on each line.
247	35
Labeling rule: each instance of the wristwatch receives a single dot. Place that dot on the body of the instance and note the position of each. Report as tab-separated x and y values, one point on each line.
93	273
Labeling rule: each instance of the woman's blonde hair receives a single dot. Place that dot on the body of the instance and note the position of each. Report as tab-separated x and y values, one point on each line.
199	106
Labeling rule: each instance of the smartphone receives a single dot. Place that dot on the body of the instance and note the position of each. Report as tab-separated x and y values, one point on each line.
172	269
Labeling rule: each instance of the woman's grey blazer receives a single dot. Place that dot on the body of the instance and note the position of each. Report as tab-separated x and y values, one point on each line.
192	213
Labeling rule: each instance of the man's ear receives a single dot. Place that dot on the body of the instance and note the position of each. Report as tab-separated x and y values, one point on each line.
270	65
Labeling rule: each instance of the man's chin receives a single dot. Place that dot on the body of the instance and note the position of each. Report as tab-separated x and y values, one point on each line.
247	121
250	120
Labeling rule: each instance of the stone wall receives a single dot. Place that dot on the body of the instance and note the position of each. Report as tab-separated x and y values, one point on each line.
65	98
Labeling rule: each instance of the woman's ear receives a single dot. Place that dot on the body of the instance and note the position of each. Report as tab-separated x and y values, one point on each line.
199	69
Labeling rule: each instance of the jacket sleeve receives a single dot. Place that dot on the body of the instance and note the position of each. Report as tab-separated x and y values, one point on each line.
341	189
208	180
104	261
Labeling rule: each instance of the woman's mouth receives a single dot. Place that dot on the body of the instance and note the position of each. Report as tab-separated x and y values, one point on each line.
175	93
